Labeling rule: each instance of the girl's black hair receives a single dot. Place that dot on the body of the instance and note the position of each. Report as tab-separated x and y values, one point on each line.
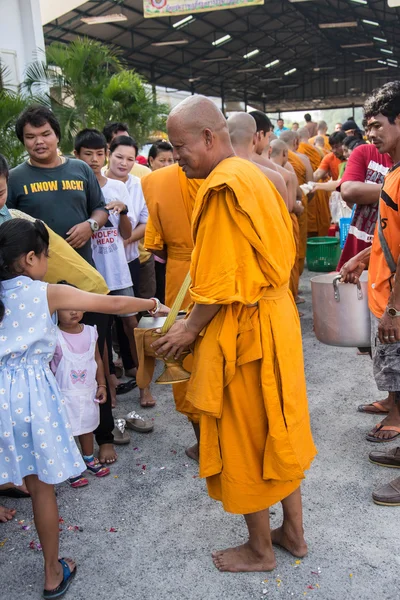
18	237
123	140
4	171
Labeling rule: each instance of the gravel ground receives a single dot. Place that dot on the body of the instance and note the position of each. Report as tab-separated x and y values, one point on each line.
167	526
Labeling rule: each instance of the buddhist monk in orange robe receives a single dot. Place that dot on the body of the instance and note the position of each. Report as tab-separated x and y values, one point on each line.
279	154
170	197
319	215
248	373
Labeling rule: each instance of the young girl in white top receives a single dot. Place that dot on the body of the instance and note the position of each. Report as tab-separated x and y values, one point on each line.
121	160
36	441
79	372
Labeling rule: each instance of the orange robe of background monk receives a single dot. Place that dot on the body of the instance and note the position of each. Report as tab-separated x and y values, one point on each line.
170	198
248	373
300	171
318	213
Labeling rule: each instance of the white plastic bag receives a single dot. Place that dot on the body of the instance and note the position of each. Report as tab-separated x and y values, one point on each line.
338	207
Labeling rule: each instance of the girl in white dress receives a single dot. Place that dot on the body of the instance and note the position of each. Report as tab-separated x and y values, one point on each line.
36	441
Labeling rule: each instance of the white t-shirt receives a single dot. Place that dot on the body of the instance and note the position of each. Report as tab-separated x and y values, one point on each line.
107	243
138	213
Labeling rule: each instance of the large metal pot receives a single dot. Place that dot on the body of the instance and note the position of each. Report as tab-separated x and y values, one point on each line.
341	313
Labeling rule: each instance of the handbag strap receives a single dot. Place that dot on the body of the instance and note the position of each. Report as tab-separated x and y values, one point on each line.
170	320
384	245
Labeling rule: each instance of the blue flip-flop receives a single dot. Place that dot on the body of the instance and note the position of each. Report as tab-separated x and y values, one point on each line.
62	589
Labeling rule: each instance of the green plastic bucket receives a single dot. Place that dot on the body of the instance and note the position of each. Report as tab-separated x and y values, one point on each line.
323	254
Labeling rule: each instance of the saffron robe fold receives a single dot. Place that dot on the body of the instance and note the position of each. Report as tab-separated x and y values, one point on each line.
318	213
300	170
170	197
248	374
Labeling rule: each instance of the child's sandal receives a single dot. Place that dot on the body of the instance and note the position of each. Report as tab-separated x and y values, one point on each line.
78	482
96	468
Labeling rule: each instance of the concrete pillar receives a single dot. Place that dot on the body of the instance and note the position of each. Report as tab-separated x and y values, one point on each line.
21	37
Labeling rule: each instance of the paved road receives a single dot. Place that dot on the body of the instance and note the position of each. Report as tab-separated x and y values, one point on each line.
167	526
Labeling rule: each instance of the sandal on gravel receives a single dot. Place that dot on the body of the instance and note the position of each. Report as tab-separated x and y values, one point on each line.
376	408
121	437
96	468
371	436
60	590
78	482
124	388
138	423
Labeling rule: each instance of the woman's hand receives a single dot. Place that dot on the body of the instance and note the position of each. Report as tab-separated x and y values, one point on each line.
163	312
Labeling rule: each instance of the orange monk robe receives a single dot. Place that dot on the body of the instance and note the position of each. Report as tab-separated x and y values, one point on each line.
294	274
170	197
318	213
327	145
300	170
248	374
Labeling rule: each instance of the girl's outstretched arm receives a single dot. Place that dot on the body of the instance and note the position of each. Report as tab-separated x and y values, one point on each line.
65	297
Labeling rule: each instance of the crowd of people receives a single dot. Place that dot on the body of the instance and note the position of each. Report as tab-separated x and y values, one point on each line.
89	244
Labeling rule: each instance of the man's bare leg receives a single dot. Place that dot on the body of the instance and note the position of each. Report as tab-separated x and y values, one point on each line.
290	535
193	451
256	554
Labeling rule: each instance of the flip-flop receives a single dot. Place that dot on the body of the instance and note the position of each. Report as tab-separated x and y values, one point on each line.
137	423
62	589
380	427
377	405
124	388
14	493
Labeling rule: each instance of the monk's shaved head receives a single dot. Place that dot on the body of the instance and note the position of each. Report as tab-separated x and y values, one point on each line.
197	113
242	128
278	147
303	134
198	131
289	137
319	140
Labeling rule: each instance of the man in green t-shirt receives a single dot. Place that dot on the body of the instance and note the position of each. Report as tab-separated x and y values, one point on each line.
62	192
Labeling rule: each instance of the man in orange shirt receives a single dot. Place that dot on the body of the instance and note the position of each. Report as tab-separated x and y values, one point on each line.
382	112
331	162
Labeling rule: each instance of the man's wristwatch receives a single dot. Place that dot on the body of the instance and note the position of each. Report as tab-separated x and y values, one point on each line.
94	226
125	211
392	312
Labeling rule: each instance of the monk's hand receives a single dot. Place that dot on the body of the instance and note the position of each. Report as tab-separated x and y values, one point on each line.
389	329
352	270
176	341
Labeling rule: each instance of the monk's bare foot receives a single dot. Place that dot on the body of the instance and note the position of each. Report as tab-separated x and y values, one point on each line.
193	452
300	300
107	454
285	539
146	398
243	559
131	372
6	514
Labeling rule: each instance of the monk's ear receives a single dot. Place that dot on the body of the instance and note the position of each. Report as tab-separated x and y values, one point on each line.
208	138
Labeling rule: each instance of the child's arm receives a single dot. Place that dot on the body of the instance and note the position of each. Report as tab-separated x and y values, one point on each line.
65	297
125	225
137	234
101	394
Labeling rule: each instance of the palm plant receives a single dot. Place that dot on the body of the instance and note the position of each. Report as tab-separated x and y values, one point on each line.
11	105
87	84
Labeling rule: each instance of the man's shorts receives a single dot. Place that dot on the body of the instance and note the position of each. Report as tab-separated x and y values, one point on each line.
386	361
125	292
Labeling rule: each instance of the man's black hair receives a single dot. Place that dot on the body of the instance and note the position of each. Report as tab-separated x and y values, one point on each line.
4	170
337	138
36	115
384	101
123	140
111	129
307	118
262	121
90	138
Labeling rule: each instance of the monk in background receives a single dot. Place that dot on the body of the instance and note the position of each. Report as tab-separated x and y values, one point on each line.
243	132
322	131
279	152
319	215
170	197
248	373
303	170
